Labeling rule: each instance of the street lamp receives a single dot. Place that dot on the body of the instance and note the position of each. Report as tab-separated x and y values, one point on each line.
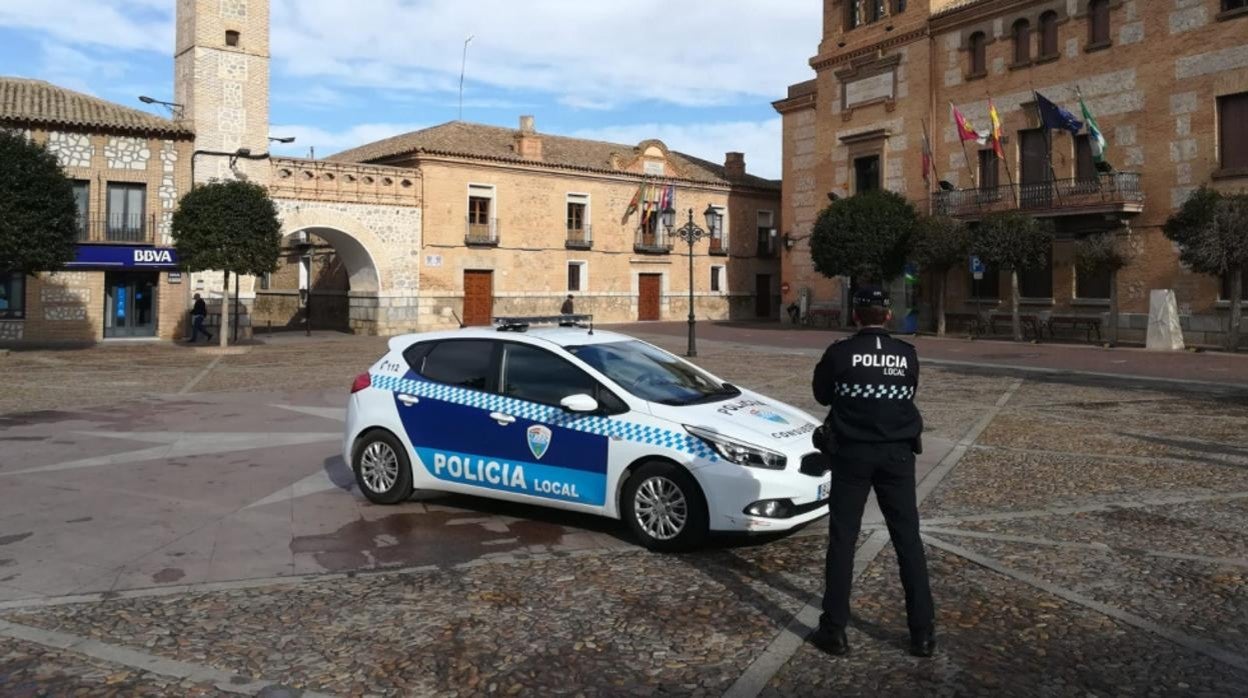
174	108
286	139
691	233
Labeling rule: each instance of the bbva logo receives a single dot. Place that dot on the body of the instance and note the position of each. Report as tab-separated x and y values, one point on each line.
148	256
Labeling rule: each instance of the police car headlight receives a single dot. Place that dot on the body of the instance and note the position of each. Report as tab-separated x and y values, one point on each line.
739	452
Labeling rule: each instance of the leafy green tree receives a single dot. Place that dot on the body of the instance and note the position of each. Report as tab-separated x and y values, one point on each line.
940	243
1013	241
1211	230
863	237
1105	252
231	226
38	216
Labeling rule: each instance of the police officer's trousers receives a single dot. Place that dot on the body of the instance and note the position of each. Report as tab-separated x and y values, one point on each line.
889	469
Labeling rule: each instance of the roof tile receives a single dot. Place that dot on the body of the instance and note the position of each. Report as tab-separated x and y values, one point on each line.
37	102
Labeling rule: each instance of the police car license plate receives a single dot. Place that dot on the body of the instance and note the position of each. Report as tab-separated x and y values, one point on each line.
824	491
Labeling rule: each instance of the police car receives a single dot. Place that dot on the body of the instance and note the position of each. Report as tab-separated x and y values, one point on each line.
575	418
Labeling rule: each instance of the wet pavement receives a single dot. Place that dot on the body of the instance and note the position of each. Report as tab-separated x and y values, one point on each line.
1086	535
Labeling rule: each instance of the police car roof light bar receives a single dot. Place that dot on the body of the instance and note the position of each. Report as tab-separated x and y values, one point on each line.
522	323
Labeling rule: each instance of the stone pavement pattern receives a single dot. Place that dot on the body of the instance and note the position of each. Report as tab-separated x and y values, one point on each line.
1089	537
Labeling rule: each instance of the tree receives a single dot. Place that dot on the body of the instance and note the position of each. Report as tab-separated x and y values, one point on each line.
863	237
940	243
231	226
1105	252
38	216
1211	230
1014	241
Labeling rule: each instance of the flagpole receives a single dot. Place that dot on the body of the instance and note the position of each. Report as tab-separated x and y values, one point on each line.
1009	173
1048	151
965	157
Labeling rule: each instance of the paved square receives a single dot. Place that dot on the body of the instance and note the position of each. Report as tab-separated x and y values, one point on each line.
177	522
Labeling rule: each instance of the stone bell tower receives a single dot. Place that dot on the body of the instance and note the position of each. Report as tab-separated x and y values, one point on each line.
221	77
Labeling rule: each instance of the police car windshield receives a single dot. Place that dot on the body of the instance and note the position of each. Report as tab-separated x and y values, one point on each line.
652	374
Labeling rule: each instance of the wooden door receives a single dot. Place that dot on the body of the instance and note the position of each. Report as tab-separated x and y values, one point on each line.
762	295
478	297
649	289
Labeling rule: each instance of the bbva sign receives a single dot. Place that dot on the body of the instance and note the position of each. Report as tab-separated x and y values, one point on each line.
152	256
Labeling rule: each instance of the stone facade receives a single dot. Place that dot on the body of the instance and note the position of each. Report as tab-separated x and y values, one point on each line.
71	149
127	153
1153	90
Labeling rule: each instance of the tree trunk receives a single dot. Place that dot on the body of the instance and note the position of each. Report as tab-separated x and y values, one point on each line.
1017	325
1237	293
942	281
1111	333
224	330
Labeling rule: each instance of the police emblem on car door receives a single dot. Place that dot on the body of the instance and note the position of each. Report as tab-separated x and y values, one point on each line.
539	440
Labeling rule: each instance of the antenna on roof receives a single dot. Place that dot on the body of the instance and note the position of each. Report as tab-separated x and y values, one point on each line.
462	65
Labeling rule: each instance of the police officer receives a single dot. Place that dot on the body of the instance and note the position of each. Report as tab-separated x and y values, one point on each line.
868	381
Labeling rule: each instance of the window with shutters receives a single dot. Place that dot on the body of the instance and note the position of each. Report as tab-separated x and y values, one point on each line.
977	48
1233	135
1022	42
1048	35
1098	24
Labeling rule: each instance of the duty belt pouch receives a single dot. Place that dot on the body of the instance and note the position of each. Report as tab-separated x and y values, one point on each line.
824	439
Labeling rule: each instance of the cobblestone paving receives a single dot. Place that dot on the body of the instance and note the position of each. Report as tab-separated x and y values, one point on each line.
32	671
1095	542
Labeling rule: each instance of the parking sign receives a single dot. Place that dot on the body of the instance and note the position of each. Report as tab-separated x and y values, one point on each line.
977	268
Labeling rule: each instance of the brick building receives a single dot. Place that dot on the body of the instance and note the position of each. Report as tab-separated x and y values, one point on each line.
129	168
1167	81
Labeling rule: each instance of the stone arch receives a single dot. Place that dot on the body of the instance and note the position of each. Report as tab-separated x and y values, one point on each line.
351	239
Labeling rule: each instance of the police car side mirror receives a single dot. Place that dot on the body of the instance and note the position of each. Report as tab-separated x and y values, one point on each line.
579	403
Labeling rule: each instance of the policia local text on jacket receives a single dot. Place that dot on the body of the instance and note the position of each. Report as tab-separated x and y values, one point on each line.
868	381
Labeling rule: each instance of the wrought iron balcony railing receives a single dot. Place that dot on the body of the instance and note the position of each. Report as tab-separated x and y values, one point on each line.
580	238
117	227
478	233
1112	191
657	242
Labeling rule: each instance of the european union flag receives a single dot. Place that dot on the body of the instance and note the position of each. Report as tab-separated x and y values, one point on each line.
1054	117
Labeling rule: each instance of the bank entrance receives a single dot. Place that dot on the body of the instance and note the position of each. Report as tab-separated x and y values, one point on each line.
130	299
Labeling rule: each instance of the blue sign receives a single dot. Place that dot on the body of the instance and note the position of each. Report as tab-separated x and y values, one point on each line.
977	265
124	257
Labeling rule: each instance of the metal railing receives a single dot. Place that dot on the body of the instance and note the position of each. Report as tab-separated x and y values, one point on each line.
580	238
657	242
481	233
1109	188
117	227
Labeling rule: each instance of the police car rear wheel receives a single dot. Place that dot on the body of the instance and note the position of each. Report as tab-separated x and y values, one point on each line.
382	469
664	508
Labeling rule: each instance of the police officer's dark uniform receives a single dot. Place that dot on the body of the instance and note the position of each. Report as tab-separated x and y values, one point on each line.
868	381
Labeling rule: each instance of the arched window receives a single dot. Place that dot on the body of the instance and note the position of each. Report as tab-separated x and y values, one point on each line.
1098	23
1022	42
978	57
1048	34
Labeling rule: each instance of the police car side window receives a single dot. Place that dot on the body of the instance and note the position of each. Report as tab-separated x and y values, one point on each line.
415	356
464	363
536	375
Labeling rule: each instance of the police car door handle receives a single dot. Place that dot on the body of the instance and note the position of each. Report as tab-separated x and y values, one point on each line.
408	400
502	419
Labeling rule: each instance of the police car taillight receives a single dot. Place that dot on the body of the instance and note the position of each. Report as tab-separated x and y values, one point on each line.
362	381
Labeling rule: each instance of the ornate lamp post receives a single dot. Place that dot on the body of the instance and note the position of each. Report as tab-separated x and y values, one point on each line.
691	233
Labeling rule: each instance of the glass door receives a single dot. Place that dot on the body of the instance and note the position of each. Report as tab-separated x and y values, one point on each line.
130	304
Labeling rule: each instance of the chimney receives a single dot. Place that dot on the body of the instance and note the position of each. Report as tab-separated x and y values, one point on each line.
734	165
528	143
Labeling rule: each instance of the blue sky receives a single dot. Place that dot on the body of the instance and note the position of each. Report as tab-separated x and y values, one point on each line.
699	74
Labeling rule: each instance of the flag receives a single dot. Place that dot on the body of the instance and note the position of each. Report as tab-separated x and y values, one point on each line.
632	205
1054	117
1096	138
927	157
671	195
996	130
966	132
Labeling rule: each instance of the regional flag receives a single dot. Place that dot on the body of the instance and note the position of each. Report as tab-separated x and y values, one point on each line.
927	157
1096	138
632	205
996	130
1054	117
966	132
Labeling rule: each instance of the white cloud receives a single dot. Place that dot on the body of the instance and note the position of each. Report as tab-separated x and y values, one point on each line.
759	140
115	24
329	142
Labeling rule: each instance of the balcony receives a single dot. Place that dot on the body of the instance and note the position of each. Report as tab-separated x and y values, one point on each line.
715	246
657	242
1109	192
129	229
481	234
580	238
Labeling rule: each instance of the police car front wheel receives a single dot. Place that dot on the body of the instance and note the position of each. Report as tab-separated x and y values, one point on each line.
664	508
382	470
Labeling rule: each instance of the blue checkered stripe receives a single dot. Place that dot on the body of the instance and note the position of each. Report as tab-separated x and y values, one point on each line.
602	426
878	392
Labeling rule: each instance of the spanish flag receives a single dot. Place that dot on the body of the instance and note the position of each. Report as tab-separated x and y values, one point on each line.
996	130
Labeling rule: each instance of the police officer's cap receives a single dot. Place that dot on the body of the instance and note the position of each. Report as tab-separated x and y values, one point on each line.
869	296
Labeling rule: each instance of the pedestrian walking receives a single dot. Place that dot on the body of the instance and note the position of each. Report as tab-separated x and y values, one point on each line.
566	308
199	311
874	430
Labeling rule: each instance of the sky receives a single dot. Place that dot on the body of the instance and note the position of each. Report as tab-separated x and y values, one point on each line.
698	74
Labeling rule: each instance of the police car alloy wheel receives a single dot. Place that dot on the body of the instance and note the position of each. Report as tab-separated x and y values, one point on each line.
664	509
382	469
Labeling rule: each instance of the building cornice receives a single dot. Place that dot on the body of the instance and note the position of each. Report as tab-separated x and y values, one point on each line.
823	62
976	12
789	105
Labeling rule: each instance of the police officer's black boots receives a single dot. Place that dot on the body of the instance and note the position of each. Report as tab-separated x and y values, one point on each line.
830	640
923	642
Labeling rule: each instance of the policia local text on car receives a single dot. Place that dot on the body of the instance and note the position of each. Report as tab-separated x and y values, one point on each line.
872	432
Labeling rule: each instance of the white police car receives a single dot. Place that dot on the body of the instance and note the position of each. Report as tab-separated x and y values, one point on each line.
584	420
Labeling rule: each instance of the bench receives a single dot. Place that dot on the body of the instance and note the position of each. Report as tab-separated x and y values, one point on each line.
824	317
1088	323
1030	324
971	323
